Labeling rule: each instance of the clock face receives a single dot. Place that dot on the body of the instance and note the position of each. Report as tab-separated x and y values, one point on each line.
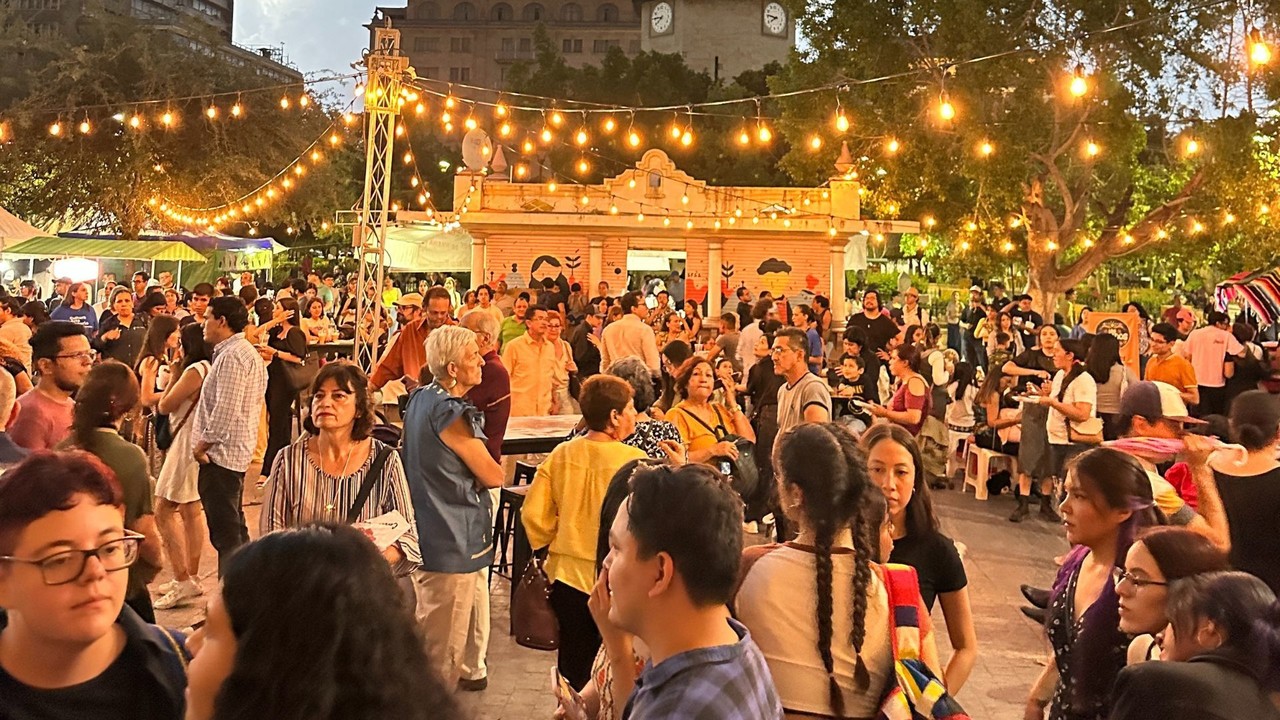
661	17
775	19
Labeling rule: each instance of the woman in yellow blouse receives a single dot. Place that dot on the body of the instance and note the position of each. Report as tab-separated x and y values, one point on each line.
704	424
562	513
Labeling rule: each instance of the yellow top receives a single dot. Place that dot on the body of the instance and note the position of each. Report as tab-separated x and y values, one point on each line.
695	434
562	509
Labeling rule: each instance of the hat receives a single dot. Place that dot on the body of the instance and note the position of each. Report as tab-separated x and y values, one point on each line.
1155	400
410	300
976	289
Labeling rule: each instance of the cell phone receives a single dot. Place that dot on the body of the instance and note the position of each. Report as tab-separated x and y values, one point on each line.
565	695
725	468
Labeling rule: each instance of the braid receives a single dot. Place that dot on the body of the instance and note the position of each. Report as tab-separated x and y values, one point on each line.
865	541
822	563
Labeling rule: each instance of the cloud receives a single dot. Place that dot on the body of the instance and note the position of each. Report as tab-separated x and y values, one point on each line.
316	34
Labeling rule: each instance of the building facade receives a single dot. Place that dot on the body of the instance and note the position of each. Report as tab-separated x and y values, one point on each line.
477	41
723	38
206	24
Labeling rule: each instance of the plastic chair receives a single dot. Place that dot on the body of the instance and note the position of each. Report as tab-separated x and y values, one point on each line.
977	468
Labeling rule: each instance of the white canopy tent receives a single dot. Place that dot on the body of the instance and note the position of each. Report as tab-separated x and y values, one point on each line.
14	230
427	248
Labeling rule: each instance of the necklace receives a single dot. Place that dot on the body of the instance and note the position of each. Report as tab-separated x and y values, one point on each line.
329	507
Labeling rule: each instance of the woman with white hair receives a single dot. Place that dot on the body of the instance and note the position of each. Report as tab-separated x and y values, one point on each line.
450	472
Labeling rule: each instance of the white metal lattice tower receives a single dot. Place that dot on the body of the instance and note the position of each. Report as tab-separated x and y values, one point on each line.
387	70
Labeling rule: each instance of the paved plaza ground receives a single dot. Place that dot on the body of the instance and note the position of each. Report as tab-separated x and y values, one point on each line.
999	556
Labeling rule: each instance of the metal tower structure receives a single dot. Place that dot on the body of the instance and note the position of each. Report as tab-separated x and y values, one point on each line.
387	70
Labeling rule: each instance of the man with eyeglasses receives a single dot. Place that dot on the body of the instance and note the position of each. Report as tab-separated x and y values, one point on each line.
69	647
804	397
406	355
60	352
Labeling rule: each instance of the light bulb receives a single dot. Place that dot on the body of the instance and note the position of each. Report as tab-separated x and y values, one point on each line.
892	146
815	143
304	101
1091	149
470	123
744	138
631	184
450	103
408	158
85	127
334	139
315	156
1192	147
764	134
420	109
584	200
1079	86
610	125
1127	239
676	131
284	103
236	110
633	139
842	122
1264	209
505	130
551	186
986	148
929	221
546	135
613	209
684	199
521	171
446	118
581	138
500	110
55	129
666	222
211	112
1008	246
584	166
946	110
527	147
965	245
166	119
686	139
1259	51
557	119
639	217
688	224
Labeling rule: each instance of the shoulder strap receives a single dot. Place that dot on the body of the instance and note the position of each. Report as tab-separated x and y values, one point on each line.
699	420
175	656
371	477
903	588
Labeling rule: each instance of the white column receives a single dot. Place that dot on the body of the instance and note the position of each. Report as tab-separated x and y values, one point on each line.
595	263
479	244
837	283
714	260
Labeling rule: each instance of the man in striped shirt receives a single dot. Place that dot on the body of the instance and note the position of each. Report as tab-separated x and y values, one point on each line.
226	423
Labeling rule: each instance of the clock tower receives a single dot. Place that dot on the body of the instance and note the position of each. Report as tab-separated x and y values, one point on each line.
722	37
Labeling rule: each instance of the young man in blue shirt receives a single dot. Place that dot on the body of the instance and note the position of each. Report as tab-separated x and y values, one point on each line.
674	552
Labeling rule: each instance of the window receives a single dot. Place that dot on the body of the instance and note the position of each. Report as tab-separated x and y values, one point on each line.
464	11
426	44
571	46
501	12
526	44
571	12
533	12
508	45
459	74
459	44
607	13
426	11
430	73
601	47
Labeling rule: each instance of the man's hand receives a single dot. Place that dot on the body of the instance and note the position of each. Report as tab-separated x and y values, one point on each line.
201	452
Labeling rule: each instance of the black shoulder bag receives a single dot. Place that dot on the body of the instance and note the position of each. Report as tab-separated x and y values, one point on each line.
371	477
743	473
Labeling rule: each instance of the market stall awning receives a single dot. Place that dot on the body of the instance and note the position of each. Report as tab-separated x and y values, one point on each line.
159	250
15	230
1257	289
417	248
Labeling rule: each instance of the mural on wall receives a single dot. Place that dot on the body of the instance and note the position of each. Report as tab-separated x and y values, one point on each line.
542	268
775	276
726	279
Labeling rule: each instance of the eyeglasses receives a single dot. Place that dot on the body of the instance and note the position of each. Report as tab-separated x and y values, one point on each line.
83	356
1119	575
66	566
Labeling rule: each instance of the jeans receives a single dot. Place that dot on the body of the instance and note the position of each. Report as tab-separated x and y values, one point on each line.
222	493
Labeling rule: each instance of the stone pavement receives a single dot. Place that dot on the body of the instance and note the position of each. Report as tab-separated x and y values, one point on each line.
998	556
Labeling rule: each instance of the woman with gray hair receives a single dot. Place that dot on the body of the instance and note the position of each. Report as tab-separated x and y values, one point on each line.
649	433
450	472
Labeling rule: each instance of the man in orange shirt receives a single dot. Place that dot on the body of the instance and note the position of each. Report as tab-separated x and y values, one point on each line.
1170	368
530	359
407	354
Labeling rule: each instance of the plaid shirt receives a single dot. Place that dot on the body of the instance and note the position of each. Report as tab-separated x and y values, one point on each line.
726	682
230	401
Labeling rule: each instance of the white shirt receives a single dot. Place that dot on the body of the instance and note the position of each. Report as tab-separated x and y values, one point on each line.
1081	390
747	340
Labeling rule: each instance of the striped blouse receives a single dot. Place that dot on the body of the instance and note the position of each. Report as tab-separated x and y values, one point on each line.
299	493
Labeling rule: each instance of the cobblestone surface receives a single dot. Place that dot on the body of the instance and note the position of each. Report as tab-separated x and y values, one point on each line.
998	556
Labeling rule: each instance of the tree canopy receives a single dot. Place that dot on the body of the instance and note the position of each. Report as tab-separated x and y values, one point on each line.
112	173
1081	130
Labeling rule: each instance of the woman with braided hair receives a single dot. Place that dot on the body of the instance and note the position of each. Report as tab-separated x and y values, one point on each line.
826	637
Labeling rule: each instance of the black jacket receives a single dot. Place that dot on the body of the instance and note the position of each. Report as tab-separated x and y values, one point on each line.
1206	687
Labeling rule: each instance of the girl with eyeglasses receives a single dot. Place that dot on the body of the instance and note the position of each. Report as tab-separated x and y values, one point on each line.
1158	557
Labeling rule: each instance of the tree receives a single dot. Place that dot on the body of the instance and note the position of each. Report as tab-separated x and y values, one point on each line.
119	175
1070	143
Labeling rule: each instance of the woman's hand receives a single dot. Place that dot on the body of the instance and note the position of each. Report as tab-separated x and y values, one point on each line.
677	453
1034	710
724	448
879	411
112	334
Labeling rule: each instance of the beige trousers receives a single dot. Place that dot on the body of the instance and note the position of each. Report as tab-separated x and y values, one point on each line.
444	608
477	647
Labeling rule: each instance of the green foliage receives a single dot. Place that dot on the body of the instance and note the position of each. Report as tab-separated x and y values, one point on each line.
112	173
1064	212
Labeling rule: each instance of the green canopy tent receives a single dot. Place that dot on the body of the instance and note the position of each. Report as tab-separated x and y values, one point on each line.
149	250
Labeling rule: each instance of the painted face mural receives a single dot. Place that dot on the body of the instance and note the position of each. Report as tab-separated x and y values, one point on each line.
775	274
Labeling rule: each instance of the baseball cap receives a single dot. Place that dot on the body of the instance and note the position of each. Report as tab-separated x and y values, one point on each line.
1154	401
410	300
975	288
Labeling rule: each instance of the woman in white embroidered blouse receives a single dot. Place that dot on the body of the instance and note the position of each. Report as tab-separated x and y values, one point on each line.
318	478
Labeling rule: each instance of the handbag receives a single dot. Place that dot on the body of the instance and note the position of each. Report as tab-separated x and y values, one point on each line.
165	431
533	622
299	377
744	473
918	694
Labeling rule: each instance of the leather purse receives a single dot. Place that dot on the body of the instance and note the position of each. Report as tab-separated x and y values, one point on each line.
533	622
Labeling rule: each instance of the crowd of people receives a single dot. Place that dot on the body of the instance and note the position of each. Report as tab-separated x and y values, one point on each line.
127	437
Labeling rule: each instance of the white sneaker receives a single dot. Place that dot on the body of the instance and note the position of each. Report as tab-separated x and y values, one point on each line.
179	595
166	588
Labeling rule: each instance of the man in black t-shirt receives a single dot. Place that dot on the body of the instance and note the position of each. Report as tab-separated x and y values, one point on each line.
1027	321
998	299
879	328
975	353
68	643
744	307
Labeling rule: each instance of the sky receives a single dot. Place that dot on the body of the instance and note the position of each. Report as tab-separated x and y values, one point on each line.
316	34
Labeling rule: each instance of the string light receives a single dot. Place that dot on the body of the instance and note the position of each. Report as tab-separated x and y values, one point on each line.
815	143
545	135
237	110
633	139
686	138
1259	51
551	186
505	130
893	146
985	148
420	109
1079	85
764	134
557	118
521	171
1008	246
470	123
85	127
527	147
610	125
167	119
211	112
284	103
1127	239
1091	149
581	138
744	137
946	111
1191	146
55	129
304	101
583	166
842	121
500	110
